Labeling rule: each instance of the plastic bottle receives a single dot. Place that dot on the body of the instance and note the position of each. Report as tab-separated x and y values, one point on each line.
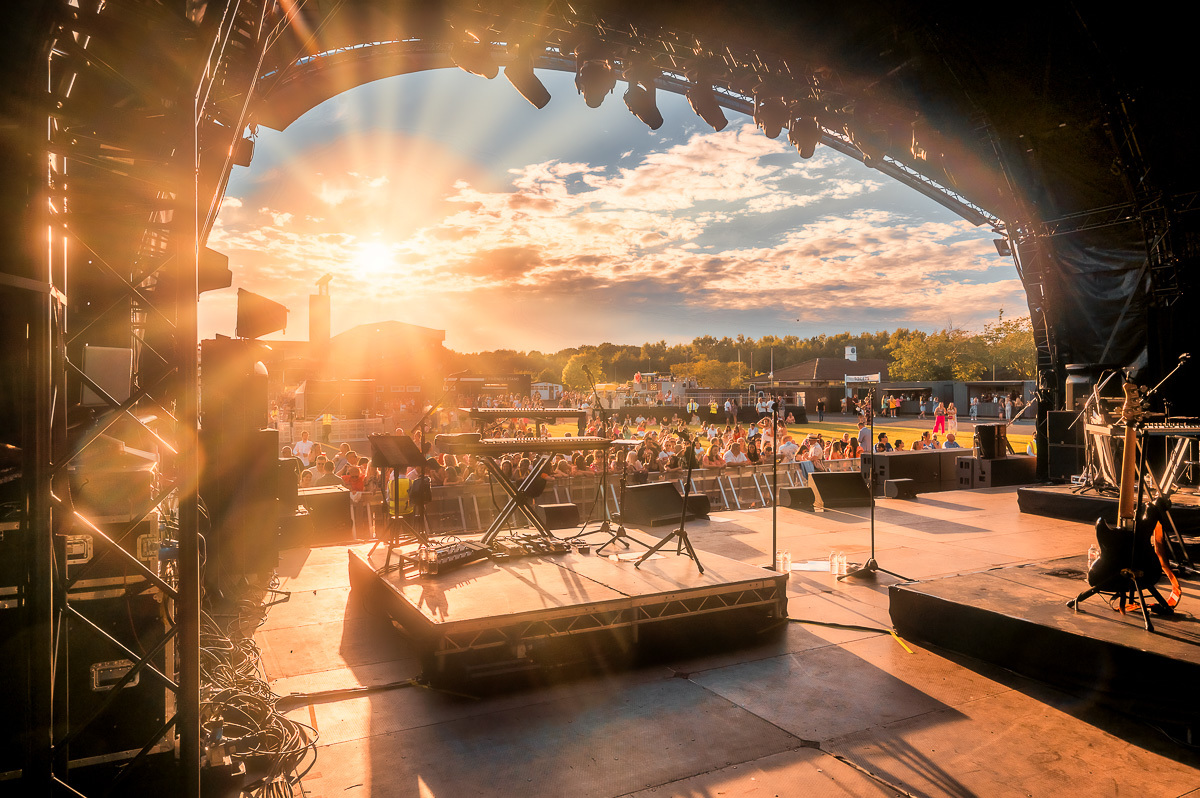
841	563
787	562
1093	555
833	562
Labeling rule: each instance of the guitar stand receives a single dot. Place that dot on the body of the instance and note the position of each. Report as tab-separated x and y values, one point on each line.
1132	593
683	542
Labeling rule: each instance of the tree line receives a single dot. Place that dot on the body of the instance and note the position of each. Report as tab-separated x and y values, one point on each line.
1003	351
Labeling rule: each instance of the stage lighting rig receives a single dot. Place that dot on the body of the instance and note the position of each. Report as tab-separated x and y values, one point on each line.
519	73
770	111
804	133
475	57
703	100
594	74
639	98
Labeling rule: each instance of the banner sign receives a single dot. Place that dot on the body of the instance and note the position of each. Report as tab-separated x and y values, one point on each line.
862	378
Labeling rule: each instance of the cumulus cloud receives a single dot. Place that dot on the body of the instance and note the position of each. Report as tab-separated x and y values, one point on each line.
720	221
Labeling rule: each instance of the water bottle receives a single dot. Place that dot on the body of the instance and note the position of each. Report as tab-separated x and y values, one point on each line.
833	562
1093	555
841	563
787	562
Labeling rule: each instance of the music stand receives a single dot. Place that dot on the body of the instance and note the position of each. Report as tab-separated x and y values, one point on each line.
398	452
681	533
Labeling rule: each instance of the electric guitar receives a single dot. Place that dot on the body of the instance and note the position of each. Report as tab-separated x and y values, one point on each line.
1128	561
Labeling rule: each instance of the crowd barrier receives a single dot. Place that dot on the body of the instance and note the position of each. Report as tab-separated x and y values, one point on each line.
350	429
472	507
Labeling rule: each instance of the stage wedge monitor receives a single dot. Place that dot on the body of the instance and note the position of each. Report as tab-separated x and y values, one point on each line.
838	489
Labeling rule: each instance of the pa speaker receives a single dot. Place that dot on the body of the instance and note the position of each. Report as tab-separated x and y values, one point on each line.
796	498
652	504
838	489
329	508
900	489
258	316
1064	427
559	516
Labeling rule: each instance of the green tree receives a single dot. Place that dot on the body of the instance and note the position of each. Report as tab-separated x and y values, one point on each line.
1010	347
573	375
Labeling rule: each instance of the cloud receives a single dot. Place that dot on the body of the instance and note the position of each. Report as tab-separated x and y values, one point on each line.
725	221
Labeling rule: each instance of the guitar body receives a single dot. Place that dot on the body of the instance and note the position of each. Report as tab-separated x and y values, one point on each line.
1124	552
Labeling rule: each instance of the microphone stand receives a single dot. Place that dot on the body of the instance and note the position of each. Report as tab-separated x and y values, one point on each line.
619	534
681	533
871	566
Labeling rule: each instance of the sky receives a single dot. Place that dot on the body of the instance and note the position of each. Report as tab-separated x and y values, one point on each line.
445	200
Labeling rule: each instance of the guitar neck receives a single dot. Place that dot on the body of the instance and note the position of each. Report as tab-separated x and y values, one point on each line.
1126	503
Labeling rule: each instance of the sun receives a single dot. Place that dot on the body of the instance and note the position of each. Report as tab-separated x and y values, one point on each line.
372	258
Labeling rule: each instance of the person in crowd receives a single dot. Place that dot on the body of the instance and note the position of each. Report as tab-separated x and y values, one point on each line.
735	456
951	442
853	449
327	477
864	435
935	443
922	406
974	411
303	449
939	417
883	445
898	446
951	418
713	458
752	453
306	479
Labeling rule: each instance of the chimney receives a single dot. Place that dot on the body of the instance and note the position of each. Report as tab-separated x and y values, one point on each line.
852	353
318	312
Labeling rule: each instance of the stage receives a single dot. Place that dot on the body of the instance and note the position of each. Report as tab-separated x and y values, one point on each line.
1017	618
1068	503
831	703
552	610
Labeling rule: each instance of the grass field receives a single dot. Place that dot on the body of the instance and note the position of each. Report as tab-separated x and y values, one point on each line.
907	429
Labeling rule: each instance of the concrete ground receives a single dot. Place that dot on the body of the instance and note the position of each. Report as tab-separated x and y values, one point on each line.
819	710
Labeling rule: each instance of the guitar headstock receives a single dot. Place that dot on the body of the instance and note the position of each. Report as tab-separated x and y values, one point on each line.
1132	409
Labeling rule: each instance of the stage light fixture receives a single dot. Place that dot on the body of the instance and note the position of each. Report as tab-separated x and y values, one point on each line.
1003	247
640	97
703	100
595	79
520	74
770	113
474	57
804	133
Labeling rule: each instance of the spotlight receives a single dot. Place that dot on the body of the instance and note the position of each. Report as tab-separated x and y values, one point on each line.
770	113
804	133
1003	248
595	78
640	96
703	100
475	57
520	75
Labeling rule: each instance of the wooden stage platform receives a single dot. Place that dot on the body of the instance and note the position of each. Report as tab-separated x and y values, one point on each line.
495	617
1016	617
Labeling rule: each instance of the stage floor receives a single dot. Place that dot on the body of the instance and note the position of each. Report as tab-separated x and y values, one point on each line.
835	706
1017	618
538	611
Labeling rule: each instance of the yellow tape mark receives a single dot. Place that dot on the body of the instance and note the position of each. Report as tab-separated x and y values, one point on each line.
901	642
